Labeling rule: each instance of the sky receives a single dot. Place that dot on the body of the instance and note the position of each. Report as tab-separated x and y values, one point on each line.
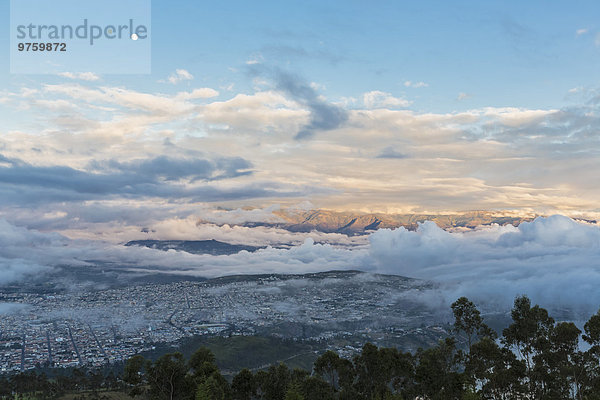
250	107
391	107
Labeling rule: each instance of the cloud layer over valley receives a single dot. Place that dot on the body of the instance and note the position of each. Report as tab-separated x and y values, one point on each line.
554	260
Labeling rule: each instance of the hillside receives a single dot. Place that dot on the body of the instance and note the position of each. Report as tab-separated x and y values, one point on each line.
353	223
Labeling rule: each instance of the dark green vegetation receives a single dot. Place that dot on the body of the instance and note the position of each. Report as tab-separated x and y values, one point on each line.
236	352
535	358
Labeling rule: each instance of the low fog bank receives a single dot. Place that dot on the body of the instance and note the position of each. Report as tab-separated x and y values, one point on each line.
554	260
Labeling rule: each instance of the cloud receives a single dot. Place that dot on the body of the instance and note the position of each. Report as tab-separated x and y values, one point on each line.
378	99
160	177
23	255
389	152
200	93
173	169
553	260
179	75
415	85
106	176
255	59
263	112
577	89
256	235
31	255
308	257
84	76
324	116
581	31
155	104
242	215
10	308
539	160
462	96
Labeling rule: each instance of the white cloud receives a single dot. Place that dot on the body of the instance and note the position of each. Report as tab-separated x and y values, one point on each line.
379	99
28	254
179	75
577	89
23	252
229	87
137	101
462	96
581	31
200	93
262	111
415	85
84	76
553	260
255	59
477	159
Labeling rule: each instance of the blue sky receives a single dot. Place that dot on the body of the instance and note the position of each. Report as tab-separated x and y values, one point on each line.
524	54
388	107
520	54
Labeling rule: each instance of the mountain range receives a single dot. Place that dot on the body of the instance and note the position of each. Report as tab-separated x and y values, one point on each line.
353	223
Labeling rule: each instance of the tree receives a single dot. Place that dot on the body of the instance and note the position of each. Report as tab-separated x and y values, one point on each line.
273	384
212	388
167	378
133	374
495	370
312	387
467	319
529	336
437	373
243	385
369	371
399	371
327	367
202	364
376	372
293	393
560	362
591	358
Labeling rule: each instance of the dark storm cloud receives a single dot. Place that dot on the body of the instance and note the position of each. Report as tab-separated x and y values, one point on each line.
324	116
23	183
115	177
171	169
389	152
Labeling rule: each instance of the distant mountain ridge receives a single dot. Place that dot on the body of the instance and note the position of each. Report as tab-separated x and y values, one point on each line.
357	223
212	247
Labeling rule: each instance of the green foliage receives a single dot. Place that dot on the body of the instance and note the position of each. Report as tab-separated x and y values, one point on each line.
437	373
536	358
168	378
237	352
293	393
213	388
244	385
467	319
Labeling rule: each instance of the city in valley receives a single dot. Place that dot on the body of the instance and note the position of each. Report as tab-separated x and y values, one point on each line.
342	310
